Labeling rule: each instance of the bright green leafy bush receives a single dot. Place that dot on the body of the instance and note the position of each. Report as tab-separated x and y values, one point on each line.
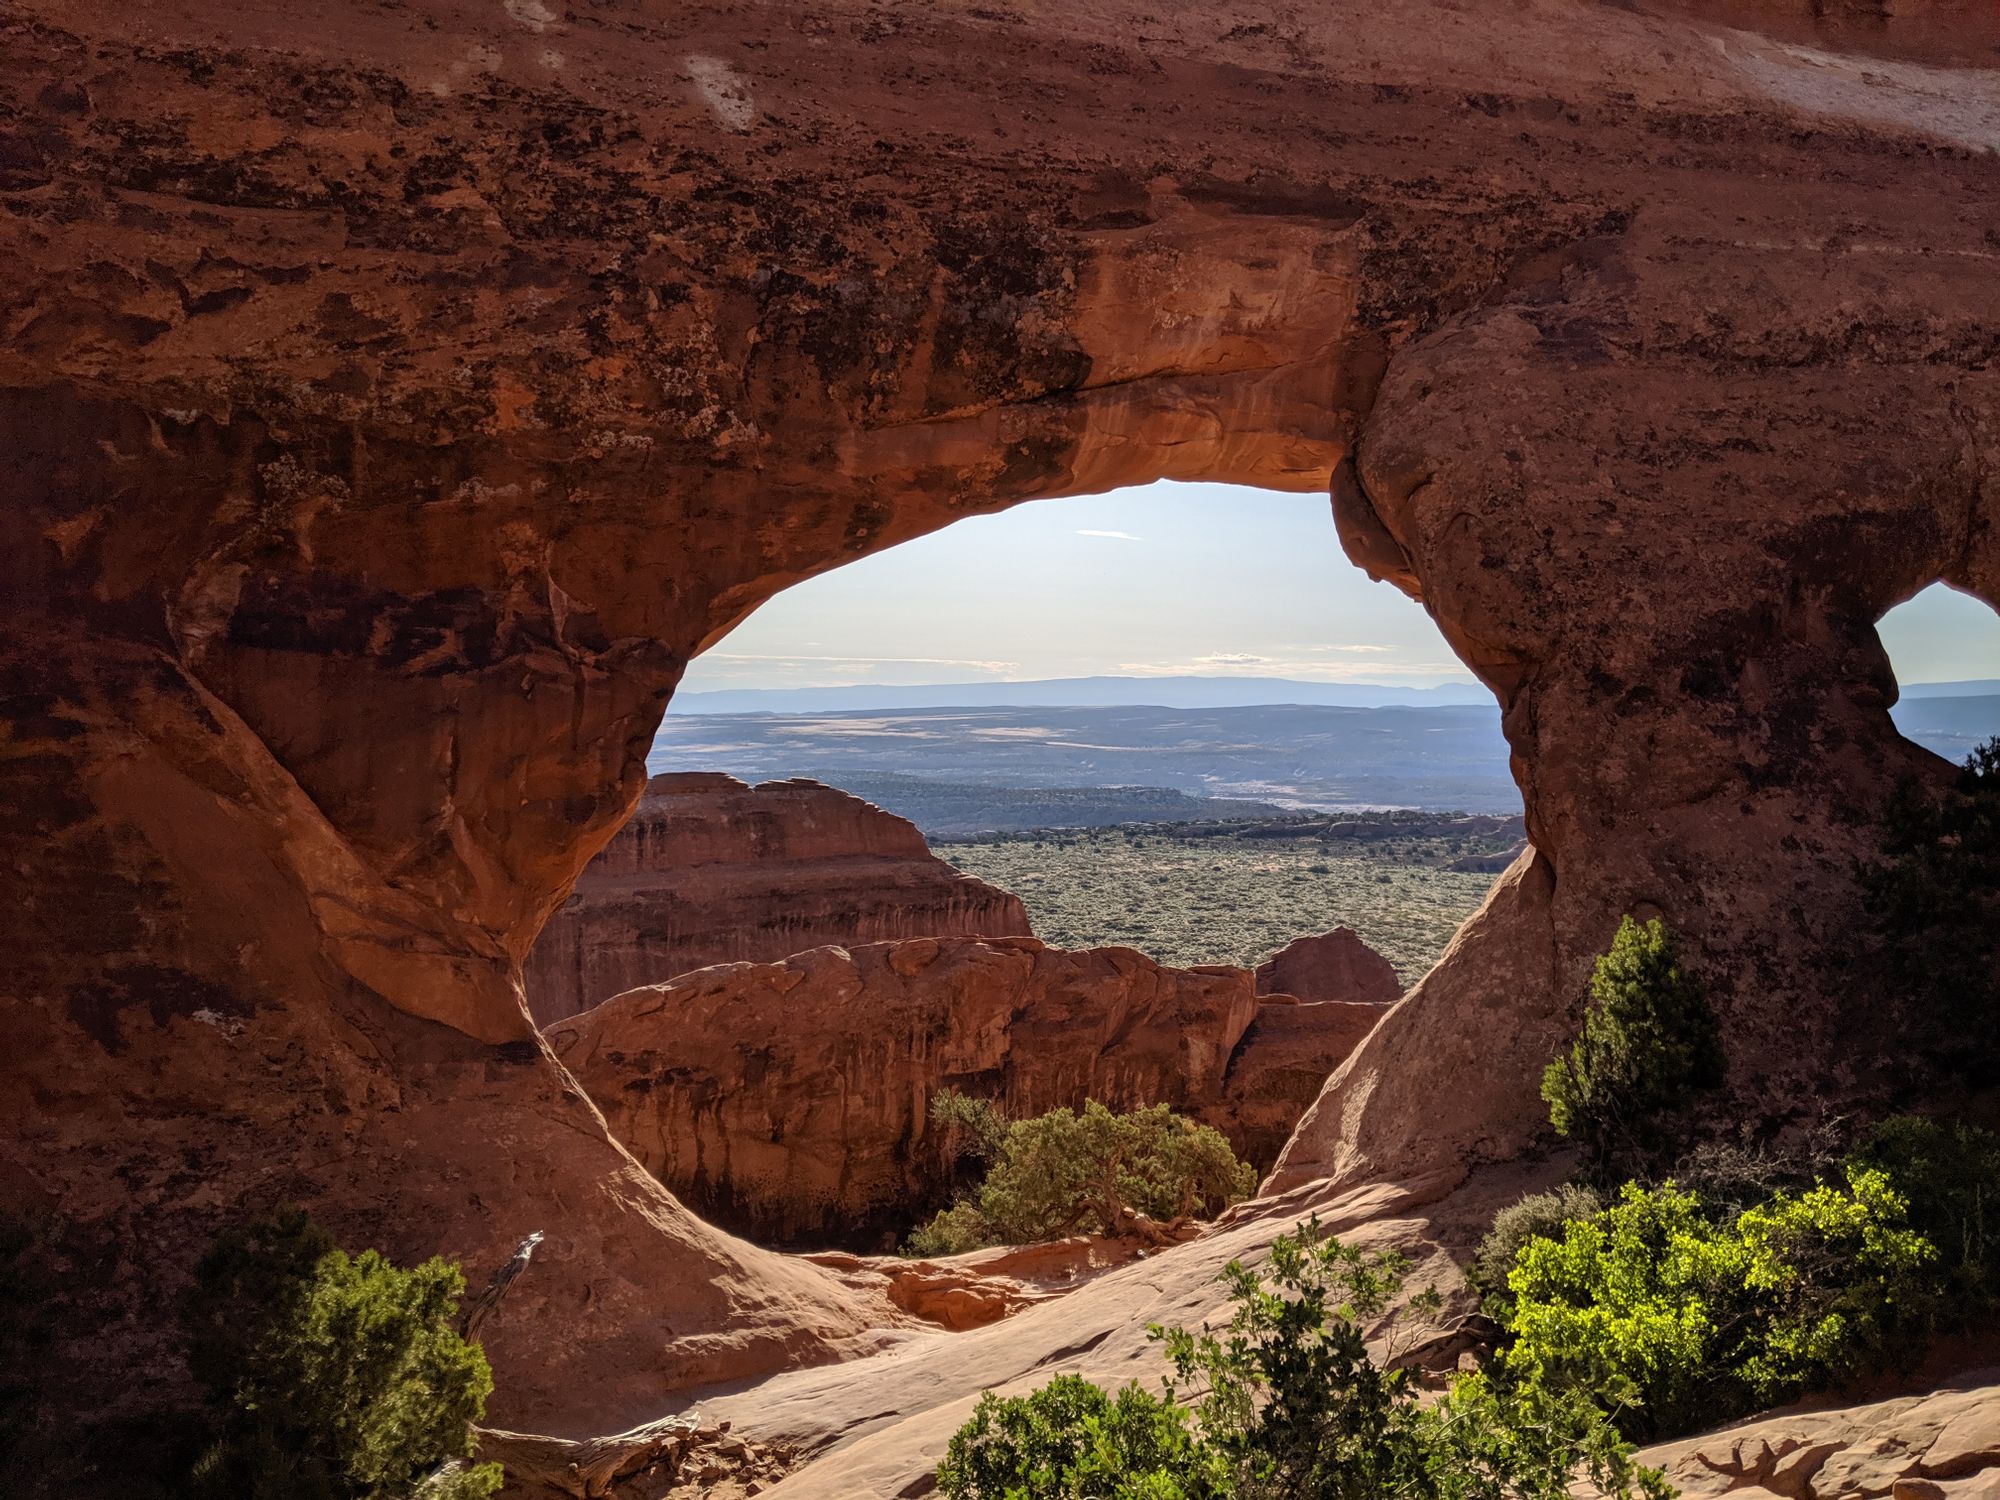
1067	1173
1071	1438
1670	1319
1649	1044
332	1378
1287	1402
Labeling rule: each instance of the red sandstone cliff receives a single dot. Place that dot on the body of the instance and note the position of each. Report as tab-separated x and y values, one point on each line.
788	1101
712	871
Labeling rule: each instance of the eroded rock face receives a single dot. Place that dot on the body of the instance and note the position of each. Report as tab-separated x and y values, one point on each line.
790	1101
1282	1063
1938	1444
393	400
709	871
1334	965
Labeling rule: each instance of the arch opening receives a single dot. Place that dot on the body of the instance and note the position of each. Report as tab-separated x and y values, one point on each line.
1944	646
1093	681
1236	797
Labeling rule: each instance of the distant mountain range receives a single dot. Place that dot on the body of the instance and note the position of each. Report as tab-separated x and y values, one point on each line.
1083	692
1189	691
956	767
1985	687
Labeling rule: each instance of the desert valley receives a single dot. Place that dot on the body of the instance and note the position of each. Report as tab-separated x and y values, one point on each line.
1484	985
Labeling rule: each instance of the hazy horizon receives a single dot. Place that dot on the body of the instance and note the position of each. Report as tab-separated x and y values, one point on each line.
1164	580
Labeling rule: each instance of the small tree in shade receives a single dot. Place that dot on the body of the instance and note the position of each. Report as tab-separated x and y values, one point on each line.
1649	1044
1935	898
332	1377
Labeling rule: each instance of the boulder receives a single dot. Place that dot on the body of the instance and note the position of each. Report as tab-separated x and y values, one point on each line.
1282	1063
1335	965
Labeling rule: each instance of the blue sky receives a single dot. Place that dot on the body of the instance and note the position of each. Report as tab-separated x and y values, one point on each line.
1170	578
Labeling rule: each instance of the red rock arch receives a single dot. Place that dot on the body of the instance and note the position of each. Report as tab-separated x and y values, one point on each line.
390	407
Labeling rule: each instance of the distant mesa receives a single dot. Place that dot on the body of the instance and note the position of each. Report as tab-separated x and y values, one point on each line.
1489	864
711	870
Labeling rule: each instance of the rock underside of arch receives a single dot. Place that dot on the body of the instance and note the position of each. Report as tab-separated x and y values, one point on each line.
390	405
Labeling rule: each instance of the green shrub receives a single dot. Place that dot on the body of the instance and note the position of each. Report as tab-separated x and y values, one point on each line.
1649	1044
332	1378
967	1126
1066	1173
1935	899
1537	1216
1951	1175
1287	1402
1669	1319
1069	1439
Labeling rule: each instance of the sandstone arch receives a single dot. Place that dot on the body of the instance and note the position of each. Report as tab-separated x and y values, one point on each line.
390	404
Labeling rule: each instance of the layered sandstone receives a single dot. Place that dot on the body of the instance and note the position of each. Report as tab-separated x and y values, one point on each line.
392	401
1335	966
709	871
790	1101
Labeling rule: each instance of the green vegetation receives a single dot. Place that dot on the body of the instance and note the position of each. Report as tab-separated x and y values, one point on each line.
1951	1173
1692	1281
1284	1402
1669	1319
332	1378
1537	1216
1072	1438
1756	1277
1066	1173
1649	1044
1190	898
1935	897
1671	1308
1634	1320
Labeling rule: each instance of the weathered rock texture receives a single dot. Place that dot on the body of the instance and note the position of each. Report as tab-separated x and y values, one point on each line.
1334	965
1938	1444
393	399
790	1101
1281	1065
711	871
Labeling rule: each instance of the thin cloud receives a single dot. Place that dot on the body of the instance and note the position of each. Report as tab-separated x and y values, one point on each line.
871	661
1244	665
1116	536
